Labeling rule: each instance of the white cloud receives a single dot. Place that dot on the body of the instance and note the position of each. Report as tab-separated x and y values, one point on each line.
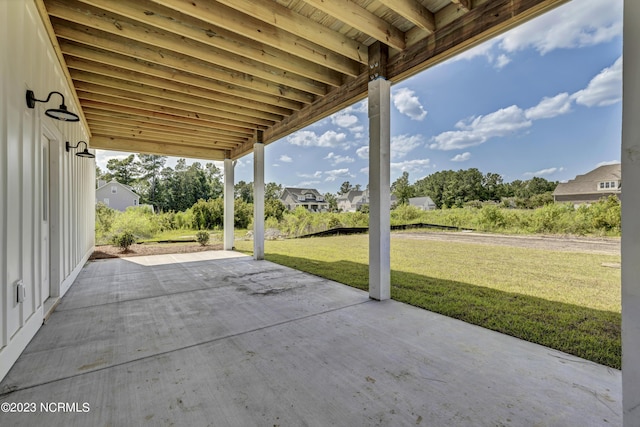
337	159
576	24
408	104
548	171
604	89
610	162
332	175
477	130
484	49
316	174
401	145
344	119
306	138
502	61
363	152
411	166
550	107
285	159
365	171
461	157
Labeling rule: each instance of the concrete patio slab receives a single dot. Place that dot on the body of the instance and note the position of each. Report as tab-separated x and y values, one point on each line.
216	338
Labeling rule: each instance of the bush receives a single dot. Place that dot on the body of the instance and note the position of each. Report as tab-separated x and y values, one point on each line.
124	240
202	237
138	220
105	216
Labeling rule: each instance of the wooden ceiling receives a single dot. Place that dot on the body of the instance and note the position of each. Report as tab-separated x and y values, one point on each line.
207	79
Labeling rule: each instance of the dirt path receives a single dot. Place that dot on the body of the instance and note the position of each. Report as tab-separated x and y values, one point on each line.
603	245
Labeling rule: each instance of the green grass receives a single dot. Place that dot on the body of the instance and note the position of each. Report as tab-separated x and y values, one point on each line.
563	300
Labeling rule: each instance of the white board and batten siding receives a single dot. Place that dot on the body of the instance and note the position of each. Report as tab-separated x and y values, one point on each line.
47	203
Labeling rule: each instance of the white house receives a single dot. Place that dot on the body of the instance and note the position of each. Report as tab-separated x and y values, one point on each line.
48	193
117	196
423	203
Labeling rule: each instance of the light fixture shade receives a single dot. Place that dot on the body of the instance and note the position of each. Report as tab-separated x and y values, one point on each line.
60	113
84	153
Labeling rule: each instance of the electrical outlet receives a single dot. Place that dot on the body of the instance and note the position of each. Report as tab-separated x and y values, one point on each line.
21	292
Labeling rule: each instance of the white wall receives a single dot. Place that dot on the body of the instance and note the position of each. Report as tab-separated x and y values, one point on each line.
28	61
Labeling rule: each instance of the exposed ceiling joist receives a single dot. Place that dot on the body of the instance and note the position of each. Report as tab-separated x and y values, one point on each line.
201	79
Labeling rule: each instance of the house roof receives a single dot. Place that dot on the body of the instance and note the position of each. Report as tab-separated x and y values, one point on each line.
124	186
300	191
208	79
421	201
587	183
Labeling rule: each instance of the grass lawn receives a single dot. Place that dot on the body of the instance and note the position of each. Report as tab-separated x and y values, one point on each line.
563	300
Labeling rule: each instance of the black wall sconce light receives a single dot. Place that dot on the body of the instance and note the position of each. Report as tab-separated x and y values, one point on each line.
60	113
84	153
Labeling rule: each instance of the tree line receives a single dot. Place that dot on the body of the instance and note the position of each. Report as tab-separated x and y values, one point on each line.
178	189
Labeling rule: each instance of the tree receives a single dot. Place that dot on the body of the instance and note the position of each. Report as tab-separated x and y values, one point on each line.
244	191
272	191
124	171
332	200
402	189
214	178
493	187
345	188
150	167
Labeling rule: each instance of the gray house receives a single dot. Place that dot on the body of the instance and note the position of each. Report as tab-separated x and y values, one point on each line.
603	181
423	203
351	201
117	196
308	198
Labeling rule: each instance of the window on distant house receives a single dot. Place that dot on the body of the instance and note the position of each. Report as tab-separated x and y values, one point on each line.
135	202
106	201
114	189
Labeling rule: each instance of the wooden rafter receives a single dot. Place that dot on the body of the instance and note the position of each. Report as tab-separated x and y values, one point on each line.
198	78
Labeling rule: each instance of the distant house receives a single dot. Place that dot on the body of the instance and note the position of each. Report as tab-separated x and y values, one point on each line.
423	203
601	182
353	200
116	196
308	198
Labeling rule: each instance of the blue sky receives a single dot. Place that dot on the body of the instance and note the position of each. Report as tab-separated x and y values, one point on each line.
542	100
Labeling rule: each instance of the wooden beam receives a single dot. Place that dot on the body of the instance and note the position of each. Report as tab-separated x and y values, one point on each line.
104	142
170	95
46	21
112	103
143	135
136	32
465	5
238	75
284	18
139	123
207	78
413	11
165	79
234	21
163	102
351	92
163	119
361	19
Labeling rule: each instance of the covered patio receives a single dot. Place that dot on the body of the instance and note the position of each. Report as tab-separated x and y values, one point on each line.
217	338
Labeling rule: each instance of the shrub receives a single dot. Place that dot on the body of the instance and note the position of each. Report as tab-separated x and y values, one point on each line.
124	240
202	237
105	216
138	220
